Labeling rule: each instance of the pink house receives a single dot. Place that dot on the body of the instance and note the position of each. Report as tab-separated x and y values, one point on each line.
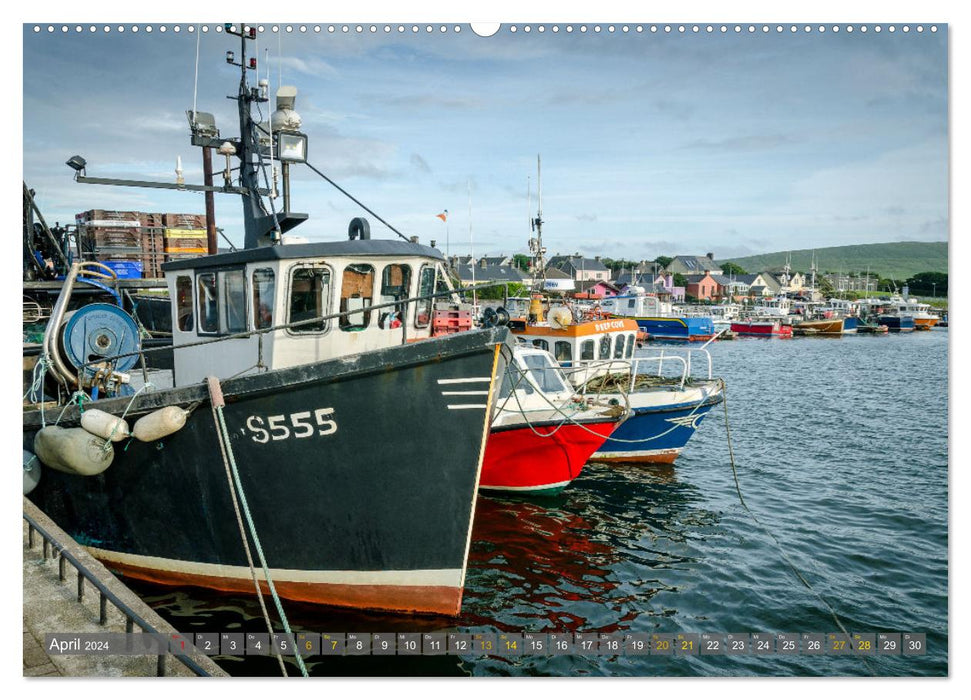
702	286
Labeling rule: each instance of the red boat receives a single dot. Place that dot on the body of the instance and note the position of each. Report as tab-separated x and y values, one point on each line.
541	436
762	328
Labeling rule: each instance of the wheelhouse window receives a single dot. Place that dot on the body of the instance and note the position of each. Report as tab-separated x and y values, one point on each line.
232	284
515	379
563	351
183	303
605	347
618	346
208	303
587	350
541	344
630	346
547	376
309	298
426	286
264	293
357	289
395	282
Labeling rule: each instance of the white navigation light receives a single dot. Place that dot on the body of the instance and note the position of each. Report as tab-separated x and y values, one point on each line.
292	147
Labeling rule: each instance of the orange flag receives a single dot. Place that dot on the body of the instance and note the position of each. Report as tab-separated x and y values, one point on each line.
443	216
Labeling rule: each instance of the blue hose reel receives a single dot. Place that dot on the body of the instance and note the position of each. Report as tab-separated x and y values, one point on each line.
98	331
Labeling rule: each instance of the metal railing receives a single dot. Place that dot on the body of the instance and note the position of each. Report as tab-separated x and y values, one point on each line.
52	548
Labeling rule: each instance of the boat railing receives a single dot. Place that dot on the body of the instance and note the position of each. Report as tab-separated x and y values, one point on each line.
402	305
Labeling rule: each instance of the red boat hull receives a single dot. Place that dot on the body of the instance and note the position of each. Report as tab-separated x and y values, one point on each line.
762	329
523	461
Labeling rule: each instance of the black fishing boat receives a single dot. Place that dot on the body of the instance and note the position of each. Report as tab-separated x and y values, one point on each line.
312	396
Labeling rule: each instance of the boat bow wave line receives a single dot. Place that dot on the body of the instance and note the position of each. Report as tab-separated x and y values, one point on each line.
420	577
436	591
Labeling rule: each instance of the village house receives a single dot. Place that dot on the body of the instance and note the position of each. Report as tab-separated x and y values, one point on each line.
693	265
579	268
596	289
485	272
702	287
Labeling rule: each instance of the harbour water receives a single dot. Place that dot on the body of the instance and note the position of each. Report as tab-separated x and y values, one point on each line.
841	449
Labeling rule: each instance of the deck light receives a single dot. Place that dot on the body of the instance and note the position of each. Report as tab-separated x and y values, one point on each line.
77	163
230	57
292	147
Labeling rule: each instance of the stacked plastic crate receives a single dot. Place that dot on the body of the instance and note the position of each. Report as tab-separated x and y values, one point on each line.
185	236
113	238
153	245
451	318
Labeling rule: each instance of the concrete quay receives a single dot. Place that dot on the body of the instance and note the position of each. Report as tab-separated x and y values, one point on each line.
51	606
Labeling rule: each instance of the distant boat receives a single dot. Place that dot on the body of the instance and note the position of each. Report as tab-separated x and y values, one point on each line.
658	319
821	326
762	328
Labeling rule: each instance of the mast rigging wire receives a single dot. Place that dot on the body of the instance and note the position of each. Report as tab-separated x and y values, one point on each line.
357	201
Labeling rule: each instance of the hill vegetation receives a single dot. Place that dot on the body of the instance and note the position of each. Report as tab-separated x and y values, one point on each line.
897	261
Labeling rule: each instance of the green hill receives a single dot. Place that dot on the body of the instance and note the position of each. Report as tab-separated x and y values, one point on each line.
890	260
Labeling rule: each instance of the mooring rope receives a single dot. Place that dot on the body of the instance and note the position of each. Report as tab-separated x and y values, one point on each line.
232	474
778	544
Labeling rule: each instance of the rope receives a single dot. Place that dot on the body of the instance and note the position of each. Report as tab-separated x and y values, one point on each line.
78	396
778	544
232	472
123	414
36	390
242	534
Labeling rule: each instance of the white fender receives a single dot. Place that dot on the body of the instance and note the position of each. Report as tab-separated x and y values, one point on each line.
159	424
73	450
31	471
104	425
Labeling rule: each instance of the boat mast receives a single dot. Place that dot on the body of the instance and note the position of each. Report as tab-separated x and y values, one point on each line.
257	223
536	244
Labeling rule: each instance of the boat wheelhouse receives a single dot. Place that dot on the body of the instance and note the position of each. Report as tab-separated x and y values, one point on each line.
260	293
657	318
774	307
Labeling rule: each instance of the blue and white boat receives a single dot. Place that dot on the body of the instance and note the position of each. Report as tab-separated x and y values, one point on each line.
668	391
657	318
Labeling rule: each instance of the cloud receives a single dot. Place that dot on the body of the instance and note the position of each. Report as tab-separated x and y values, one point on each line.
314	66
586	217
419	163
426	101
751	142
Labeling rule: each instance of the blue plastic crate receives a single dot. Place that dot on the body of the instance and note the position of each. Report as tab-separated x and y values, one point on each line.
125	269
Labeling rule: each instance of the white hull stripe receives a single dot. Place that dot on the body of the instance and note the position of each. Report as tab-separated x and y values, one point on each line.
558	484
454	406
466	393
464	380
634	453
421	577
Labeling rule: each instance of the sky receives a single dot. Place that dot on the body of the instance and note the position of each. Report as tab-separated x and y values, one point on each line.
652	143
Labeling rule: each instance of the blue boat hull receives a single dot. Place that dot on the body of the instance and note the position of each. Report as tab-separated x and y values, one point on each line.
655	434
850	324
897	323
677	328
